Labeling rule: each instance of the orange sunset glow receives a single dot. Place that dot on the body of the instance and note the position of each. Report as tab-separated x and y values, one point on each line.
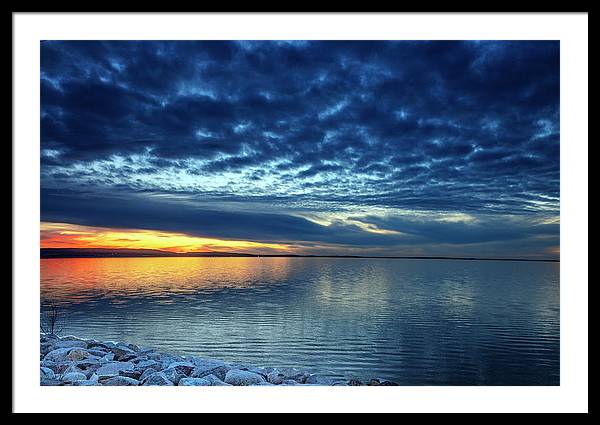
64	235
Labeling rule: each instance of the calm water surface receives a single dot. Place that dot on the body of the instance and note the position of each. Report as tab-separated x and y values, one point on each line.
416	322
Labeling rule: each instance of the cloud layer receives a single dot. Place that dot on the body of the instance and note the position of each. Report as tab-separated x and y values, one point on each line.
372	144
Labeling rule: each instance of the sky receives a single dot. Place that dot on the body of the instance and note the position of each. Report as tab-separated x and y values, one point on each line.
306	147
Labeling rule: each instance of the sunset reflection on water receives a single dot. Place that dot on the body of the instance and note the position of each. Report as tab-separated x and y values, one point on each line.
412	321
73	279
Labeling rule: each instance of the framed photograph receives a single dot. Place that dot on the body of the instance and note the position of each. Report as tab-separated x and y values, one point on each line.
300	208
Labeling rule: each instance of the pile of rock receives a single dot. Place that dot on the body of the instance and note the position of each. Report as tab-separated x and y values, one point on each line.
83	362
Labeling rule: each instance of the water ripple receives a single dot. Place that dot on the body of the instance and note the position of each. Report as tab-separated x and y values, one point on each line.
415	322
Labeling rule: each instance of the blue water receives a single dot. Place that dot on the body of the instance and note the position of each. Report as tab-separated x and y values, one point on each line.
415	322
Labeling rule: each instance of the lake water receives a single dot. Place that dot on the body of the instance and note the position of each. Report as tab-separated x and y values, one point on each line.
415	322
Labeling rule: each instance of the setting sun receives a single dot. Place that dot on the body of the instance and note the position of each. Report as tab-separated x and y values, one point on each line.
64	235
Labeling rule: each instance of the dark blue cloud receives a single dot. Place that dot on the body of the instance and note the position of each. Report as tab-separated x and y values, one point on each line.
309	127
146	212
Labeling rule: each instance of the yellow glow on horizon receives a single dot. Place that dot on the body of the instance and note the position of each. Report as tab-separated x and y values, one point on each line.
64	235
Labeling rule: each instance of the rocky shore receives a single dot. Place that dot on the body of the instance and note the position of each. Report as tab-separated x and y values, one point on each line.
74	361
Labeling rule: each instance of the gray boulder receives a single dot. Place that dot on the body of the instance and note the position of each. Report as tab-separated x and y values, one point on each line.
208	369
77	354
58	355
276	377
139	358
297	375
97	352
166	360
135	374
214	381
145	364
243	377
173	375
207	363
146	373
194	382
154	356
89	363
60	369
184	368
45	348
376	382
264	371
113	368
47	373
48	364
89	372
44	382
57	368
157	378
318	380
123	353
74	376
109	357
121	381
133	347
86	383
99	346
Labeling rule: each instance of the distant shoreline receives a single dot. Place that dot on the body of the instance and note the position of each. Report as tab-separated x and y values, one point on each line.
49	253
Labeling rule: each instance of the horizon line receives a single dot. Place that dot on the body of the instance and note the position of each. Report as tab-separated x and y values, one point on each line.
131	253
